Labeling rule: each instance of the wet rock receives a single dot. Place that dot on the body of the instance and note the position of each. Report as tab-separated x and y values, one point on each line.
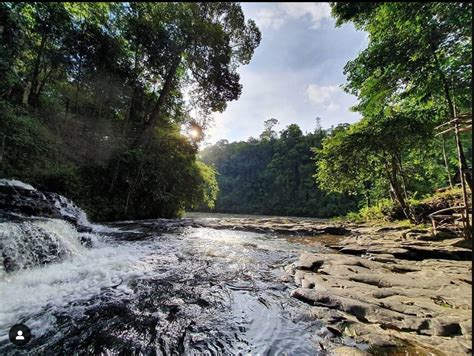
389	293
85	240
16	199
276	226
19	198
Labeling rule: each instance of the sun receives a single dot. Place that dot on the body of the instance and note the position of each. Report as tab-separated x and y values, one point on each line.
195	132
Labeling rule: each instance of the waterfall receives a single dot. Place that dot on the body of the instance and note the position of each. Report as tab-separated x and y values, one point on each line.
29	243
38	228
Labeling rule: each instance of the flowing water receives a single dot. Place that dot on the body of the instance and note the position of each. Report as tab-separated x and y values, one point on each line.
139	289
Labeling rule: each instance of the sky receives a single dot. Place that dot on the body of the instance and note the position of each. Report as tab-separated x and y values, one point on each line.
295	74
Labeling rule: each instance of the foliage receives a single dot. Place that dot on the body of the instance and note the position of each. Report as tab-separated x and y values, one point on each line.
415	73
381	211
210	187
24	142
273	175
92	99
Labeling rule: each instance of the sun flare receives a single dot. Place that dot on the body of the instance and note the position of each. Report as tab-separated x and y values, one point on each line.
194	133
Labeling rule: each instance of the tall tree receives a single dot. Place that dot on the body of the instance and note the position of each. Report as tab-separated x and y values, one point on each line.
421	51
93	99
198	45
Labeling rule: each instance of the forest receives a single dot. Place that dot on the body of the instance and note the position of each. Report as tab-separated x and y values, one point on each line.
273	175
95	102
415	74
92	99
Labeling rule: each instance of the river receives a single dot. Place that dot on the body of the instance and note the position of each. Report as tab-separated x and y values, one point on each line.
154	289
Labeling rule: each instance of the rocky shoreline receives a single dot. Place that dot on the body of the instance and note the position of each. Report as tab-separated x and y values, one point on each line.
394	288
391	287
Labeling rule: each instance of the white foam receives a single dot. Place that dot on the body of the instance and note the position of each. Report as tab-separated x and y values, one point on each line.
106	229
16	183
25	294
65	232
29	243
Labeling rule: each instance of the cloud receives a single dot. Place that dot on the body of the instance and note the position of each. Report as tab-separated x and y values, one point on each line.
275	16
294	75
323	95
316	11
269	18
288	96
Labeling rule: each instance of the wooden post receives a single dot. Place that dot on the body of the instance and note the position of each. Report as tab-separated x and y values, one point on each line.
446	164
465	214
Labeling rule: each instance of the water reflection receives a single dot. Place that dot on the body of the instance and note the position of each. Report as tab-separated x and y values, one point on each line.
193	291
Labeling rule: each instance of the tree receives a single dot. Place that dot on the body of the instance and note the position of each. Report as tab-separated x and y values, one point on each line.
354	158
417	49
273	175
421	52
103	87
268	133
197	44
413	74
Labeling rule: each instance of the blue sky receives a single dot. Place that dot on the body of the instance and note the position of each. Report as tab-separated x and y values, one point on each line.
295	74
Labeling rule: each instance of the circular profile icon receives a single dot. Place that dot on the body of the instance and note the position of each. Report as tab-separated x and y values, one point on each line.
19	334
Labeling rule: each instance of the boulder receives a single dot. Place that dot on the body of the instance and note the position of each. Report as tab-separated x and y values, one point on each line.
19	198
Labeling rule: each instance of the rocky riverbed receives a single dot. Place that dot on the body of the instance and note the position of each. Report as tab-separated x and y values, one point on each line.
228	284
392	287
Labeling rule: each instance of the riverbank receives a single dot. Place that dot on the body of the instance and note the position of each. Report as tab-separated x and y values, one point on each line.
389	286
392	287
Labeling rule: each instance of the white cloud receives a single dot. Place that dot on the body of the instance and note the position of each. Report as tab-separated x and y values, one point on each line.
323	95
269	18
316	11
294	75
287	96
275	16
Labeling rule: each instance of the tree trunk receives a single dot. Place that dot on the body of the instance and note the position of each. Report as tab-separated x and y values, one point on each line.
464	179
395	189
465	169
446	163
41	85
402	175
26	93
34	77
146	134
452	111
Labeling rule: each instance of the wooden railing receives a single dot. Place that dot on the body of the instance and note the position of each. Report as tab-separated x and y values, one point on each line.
454	222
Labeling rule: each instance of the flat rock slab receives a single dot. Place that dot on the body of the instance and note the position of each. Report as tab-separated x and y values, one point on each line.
390	302
284	226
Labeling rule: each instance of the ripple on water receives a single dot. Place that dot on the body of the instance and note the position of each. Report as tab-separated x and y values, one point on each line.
191	292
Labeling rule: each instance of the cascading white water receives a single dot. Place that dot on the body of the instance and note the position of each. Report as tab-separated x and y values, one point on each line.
71	210
56	205
29	243
35	296
187	291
